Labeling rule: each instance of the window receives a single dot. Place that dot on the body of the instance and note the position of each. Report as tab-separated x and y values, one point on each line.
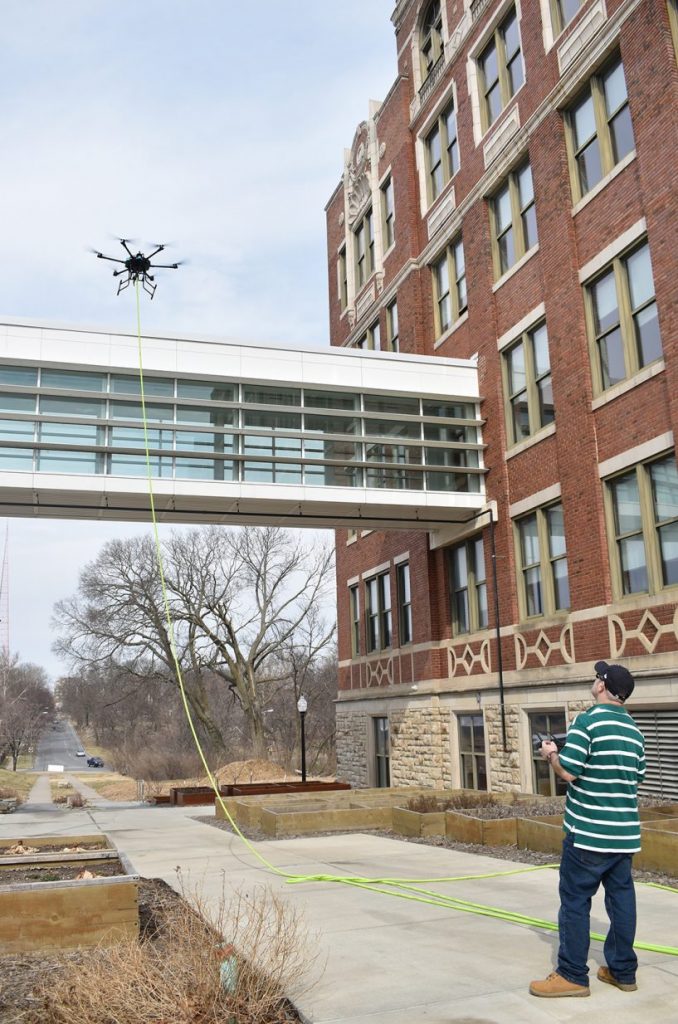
22	376
130	384
544	779
449	287
472	752
514	220
623	323
563	11
371	339
388	213
74	380
431	38
644	510
542	559
442	152
378	612
363	238
529	393
392	332
342	278
468	587
500	67
381	753
600	133
354	603
51	405
673	22
404	603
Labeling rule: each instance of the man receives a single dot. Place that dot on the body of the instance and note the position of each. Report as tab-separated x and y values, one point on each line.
603	761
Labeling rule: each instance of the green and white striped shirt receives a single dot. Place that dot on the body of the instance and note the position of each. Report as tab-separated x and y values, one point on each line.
605	750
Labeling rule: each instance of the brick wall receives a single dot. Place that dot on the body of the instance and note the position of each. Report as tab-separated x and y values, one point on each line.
584	436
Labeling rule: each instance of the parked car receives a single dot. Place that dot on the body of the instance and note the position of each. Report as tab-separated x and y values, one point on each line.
80	753
95	762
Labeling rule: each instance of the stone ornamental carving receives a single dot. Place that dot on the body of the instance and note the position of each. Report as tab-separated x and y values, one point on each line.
358	171
544	647
648	632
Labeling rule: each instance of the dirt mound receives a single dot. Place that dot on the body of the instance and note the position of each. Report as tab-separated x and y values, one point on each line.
125	789
250	771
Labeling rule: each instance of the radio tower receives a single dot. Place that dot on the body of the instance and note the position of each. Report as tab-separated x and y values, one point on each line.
4	598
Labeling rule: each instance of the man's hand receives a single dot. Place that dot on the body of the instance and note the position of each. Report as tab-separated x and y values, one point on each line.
548	747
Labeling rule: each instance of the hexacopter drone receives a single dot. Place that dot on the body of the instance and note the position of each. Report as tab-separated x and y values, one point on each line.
137	266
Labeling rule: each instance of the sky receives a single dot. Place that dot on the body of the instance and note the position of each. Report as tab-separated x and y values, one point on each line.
213	125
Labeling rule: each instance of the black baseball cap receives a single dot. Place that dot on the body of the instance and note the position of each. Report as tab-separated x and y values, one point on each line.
618	680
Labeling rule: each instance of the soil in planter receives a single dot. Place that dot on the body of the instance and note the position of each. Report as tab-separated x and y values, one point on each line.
12	851
58	872
485	807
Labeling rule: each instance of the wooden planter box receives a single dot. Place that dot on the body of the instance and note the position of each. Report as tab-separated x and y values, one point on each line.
659	846
280	821
544	834
67	914
414	823
482	831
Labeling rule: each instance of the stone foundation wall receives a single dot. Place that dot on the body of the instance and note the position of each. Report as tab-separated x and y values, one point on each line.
420	748
504	764
352	747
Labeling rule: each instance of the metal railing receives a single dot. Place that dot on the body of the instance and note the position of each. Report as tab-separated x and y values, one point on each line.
477	8
433	77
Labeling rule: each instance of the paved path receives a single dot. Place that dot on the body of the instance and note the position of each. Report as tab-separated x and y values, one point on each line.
40	796
388	960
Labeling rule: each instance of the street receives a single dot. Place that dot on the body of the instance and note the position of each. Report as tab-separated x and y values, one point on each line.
57	745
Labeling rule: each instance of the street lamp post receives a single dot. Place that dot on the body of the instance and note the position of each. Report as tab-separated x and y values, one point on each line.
302	707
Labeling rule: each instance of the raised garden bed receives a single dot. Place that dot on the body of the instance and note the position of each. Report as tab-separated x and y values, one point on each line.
182	796
44	904
338	811
57	844
172	965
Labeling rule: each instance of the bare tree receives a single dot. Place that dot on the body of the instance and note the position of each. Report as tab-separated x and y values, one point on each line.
240	601
25	697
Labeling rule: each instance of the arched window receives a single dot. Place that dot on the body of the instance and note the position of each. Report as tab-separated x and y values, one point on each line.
431	38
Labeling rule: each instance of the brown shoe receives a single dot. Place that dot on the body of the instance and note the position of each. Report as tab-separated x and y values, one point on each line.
555	985
606	975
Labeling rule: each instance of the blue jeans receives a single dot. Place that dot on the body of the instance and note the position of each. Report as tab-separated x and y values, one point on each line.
581	872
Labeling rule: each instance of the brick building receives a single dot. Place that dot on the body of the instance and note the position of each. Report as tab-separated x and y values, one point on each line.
512	199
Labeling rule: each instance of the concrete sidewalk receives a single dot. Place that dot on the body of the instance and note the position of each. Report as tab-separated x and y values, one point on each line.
389	960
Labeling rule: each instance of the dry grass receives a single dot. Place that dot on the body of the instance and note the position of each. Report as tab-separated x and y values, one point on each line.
424	804
176	979
16	784
61	792
249	771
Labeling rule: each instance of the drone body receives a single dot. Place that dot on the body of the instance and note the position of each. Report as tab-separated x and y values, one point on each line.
136	267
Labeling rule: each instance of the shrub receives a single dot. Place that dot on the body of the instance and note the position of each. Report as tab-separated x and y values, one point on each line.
7	793
174	974
425	804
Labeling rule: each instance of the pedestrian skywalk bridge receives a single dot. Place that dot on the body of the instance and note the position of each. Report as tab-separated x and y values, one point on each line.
237	433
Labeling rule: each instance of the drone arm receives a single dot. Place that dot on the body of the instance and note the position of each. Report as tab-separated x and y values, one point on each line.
123	242
165	266
101	256
155	252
